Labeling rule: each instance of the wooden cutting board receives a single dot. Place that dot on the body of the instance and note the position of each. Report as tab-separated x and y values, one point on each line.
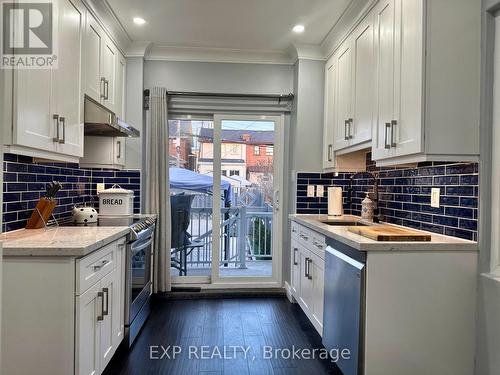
390	233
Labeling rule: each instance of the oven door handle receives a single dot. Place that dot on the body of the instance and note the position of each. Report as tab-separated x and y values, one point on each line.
135	249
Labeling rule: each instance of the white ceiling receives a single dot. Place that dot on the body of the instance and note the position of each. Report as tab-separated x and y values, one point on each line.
232	24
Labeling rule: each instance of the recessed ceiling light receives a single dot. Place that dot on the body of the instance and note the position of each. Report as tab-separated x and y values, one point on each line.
139	21
298	29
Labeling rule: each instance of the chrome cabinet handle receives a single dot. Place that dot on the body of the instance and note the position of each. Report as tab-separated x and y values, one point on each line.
294	230
318	245
387	127
56	138
103	88
393	124
330	149
304	237
346	125
101	317
102	264
349	128
309	276
119	143
106	89
106	292
62	120
306	262
294	258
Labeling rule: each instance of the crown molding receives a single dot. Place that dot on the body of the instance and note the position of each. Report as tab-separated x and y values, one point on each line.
106	17
138	49
159	52
307	52
350	18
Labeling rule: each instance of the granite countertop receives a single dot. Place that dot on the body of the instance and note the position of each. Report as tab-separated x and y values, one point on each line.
341	233
59	241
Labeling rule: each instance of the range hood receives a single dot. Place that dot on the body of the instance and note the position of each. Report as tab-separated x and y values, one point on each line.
102	122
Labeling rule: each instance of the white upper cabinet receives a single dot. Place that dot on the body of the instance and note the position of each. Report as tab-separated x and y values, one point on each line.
109	61
399	84
427	103
329	113
104	68
349	92
68	79
360	128
385	29
342	130
94	42
46	117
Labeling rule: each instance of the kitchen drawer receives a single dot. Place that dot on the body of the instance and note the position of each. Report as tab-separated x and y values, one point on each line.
305	236
318	244
95	266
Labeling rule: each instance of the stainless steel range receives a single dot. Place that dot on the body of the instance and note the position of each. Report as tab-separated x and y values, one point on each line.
138	268
138	274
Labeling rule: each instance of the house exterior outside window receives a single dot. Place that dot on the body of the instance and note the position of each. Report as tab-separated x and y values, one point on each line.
256	150
269	150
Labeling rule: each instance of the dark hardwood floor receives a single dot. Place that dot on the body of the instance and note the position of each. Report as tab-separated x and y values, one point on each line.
207	326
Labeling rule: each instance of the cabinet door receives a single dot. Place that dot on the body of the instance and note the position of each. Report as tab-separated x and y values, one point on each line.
119	296
330	112
110	287
88	310
364	76
385	29
120	86
305	283
109	56
67	77
317	270
94	45
344	92
119	151
295	269
407	129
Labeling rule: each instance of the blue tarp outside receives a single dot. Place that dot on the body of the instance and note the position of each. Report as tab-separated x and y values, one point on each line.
186	179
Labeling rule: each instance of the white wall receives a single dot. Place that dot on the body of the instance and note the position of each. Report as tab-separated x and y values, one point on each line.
305	135
219	77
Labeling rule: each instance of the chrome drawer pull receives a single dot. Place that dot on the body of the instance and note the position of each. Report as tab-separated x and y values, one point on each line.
294	258
99	266
62	120
346	125
309	276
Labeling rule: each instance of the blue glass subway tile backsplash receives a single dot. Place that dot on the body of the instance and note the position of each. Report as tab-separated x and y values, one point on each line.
405	195
25	182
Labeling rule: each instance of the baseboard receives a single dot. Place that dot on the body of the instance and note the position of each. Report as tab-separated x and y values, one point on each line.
289	293
199	293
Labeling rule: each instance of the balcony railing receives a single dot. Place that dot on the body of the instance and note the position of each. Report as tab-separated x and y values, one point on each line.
246	235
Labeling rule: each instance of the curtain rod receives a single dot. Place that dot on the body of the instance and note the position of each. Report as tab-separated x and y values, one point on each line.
224	95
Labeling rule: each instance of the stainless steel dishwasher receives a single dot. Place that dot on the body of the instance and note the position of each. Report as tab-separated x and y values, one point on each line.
343	314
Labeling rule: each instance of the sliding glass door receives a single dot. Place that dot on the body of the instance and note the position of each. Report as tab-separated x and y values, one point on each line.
225	177
247	160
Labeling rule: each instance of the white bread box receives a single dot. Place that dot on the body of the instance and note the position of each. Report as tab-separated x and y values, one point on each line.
116	202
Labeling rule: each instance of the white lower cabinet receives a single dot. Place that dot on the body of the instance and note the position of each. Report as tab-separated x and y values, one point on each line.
100	315
307	273
68	313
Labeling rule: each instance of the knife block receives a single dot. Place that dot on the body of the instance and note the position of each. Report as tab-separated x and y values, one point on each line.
41	213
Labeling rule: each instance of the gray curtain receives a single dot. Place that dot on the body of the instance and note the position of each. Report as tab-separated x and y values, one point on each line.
157	184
